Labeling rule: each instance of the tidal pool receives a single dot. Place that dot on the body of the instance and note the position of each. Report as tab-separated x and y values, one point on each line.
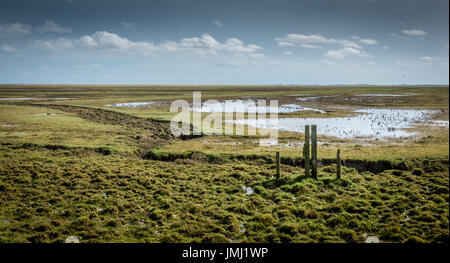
250	106
19	98
132	104
370	123
306	98
312	98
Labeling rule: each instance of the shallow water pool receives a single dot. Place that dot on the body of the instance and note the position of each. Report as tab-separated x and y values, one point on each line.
250	106
370	123
132	104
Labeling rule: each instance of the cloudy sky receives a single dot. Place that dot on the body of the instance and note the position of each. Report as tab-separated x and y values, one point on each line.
224	42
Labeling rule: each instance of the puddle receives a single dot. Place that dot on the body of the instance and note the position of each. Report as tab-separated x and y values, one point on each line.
55	98
248	190
20	99
272	142
307	98
132	104
9	125
268	142
439	123
312	98
250	106
44	114
372	123
295	107
228	143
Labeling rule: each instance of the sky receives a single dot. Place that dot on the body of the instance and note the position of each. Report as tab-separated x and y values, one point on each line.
208	42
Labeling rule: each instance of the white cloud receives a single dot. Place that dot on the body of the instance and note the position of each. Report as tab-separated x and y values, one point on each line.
9	49
445	64
217	23
15	29
53	27
310	46
128	24
367	41
428	58
344	52
103	40
55	44
414	32
313	40
209	45
99	40
347	47
399	63
288	52
285	44
385	48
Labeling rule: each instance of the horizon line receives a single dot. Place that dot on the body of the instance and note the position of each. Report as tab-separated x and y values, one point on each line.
208	85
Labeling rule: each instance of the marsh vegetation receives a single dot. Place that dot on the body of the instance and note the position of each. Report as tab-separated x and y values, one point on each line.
101	173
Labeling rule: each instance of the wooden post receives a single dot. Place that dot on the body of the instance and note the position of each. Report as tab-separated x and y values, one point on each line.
314	151
278	160
306	150
338	164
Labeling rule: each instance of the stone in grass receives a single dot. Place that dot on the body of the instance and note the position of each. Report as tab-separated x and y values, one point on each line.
372	239
72	239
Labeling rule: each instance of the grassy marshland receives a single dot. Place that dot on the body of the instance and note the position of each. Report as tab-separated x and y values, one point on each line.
111	175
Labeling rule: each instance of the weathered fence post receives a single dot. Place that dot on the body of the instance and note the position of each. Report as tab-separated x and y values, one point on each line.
278	160
306	150
314	151
338	164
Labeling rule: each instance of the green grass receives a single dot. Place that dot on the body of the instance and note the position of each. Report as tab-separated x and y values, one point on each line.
48	195
61	129
112	175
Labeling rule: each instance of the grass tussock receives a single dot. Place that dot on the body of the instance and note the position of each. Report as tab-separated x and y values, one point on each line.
106	174
47	196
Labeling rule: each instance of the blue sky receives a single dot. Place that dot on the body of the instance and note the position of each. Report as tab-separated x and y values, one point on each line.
224	42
